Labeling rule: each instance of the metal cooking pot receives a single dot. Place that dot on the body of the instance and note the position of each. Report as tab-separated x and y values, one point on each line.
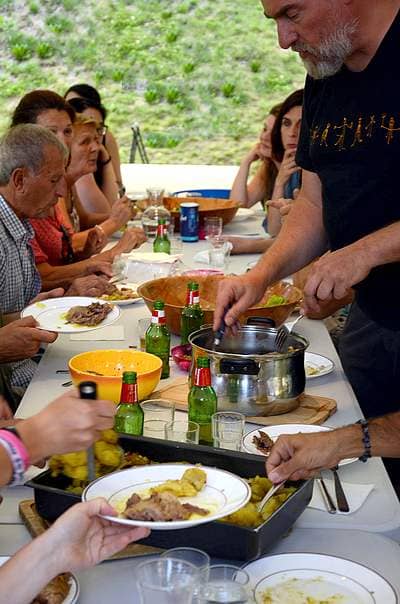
247	374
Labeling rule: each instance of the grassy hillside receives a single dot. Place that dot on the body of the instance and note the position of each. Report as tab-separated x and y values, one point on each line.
198	75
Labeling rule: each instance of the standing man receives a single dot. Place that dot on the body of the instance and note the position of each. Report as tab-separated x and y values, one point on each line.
349	151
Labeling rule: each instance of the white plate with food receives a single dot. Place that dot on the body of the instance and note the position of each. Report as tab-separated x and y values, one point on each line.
72	314
122	294
170	496
317	365
270	434
67	583
243	214
299	578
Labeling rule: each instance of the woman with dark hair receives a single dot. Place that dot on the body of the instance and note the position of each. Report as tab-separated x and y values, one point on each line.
104	178
85	91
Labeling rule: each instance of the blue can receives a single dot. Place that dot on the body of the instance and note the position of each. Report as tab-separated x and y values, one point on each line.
189	221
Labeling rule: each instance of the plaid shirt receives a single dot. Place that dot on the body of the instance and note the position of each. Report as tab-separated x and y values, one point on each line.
19	278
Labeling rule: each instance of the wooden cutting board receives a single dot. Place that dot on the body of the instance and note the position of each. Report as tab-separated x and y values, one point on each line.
311	410
37	525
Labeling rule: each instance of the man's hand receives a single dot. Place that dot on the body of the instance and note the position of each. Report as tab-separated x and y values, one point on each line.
131	239
302	456
237	294
21	339
67	424
333	275
95	241
58	292
99	267
92	285
80	538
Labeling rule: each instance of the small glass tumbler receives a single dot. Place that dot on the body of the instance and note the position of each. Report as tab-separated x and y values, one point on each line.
183	431
227	584
158	408
166	581
219	256
212	227
142	327
227	430
154	428
200	559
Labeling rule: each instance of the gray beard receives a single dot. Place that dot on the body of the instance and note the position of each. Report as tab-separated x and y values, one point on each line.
331	54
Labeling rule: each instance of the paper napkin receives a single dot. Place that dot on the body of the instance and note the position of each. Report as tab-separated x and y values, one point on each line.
356	495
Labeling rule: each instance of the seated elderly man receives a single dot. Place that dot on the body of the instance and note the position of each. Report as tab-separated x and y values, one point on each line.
32	169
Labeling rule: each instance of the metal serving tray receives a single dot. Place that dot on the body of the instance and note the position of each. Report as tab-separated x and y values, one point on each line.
218	539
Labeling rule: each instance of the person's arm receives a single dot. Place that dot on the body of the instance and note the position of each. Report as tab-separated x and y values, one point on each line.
304	455
79	539
248	194
118	216
301	238
242	245
113	149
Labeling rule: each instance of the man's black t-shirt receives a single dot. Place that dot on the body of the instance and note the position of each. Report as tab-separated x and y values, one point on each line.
350	137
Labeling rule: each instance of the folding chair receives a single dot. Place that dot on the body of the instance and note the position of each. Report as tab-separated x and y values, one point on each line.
137	145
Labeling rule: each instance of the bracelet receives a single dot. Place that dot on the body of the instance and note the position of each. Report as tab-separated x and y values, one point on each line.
100	228
18	465
366	439
11	434
107	161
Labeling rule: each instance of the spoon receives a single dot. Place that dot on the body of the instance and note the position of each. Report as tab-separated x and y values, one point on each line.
269	494
284	333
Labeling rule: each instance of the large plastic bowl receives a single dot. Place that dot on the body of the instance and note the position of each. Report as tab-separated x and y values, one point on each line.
208	206
112	363
172	290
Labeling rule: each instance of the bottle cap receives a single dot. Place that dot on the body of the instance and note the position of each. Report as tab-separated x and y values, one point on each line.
129	377
158	305
203	362
193	286
161	221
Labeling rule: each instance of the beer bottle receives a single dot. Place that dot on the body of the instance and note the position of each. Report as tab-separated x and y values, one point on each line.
158	338
192	316
202	400
161	243
129	416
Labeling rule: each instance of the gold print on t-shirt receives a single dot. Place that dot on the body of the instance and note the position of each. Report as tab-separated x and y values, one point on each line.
369	128
324	135
358	139
314	135
390	130
341	139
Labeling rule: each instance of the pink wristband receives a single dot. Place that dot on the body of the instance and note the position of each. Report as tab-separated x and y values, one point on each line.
18	446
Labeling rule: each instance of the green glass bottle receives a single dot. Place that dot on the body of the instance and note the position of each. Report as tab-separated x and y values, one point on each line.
161	243
129	416
192	316
202	400
158	338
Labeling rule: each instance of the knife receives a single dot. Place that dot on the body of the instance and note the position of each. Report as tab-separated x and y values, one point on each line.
341	500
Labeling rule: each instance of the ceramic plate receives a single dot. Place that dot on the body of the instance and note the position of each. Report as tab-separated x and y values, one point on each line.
223	494
316	365
73	593
50	314
296	578
132	286
275	431
243	214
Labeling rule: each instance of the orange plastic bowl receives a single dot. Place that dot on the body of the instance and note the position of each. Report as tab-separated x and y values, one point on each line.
111	364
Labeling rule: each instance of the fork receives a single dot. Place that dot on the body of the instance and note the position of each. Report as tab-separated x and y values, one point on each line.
284	333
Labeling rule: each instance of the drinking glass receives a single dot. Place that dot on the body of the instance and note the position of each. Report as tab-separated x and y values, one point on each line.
154	428
219	256
212	227
155	194
158	408
200	559
166	581
227	584
143	325
227	430
183	431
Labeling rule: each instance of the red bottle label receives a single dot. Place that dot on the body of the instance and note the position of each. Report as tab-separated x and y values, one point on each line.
129	394
158	316
202	376
161	228
192	297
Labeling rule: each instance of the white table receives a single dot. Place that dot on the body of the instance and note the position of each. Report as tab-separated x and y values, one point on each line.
138	177
379	514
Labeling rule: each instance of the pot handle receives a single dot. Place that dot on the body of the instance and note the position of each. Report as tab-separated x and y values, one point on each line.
239	367
267	321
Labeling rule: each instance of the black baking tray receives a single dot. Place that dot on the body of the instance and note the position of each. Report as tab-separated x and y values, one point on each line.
219	539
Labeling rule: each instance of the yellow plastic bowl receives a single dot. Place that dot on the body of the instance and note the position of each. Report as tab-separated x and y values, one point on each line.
111	364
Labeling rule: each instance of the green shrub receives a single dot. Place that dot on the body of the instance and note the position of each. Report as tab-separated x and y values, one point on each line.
21	52
255	65
188	67
152	96
44	50
33	8
162	140
172	94
228	89
171	36
59	25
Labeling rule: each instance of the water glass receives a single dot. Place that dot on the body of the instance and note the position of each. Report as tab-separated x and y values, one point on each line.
183	431
155	194
212	227
166	581
158	408
227	584
227	430
200	559
143	325
154	428
219	256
